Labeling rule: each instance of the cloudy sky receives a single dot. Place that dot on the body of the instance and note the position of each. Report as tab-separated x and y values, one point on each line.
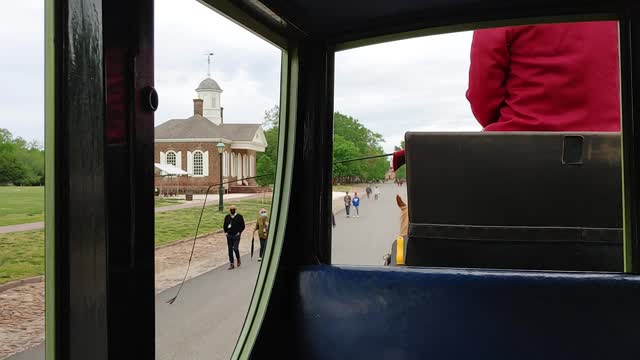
415	84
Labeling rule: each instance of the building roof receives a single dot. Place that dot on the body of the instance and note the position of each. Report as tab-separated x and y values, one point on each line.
208	84
199	127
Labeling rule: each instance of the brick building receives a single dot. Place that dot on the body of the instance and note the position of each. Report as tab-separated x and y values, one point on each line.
190	144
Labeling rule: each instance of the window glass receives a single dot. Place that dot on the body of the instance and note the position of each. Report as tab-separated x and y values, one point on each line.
507	150
171	158
197	48
197	163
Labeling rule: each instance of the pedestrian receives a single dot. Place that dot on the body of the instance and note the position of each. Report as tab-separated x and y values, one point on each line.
347	202
233	227
368	190
376	193
356	204
262	227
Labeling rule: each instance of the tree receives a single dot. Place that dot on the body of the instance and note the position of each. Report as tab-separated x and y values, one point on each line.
352	140
21	163
365	143
267	160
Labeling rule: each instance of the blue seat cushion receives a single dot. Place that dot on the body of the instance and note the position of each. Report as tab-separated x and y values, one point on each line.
404	313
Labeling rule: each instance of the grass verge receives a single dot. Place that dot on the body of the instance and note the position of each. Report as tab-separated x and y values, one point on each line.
181	224
21	204
22	253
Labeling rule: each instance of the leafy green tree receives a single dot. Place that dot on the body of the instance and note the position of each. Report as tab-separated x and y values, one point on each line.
267	160
352	140
21	163
365	142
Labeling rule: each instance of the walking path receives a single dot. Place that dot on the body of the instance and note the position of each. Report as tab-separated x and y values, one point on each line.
205	321
22	308
211	200
366	239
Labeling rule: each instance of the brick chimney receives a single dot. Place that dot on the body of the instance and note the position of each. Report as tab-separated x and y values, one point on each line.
197	107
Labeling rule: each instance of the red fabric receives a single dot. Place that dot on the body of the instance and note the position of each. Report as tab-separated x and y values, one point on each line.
555	77
398	159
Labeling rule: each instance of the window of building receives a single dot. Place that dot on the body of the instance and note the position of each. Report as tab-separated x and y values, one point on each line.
171	158
198	163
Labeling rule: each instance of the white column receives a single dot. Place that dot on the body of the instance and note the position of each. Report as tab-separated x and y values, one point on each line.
163	158
190	162
239	168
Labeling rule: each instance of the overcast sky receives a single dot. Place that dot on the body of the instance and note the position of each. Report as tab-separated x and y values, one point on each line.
415	84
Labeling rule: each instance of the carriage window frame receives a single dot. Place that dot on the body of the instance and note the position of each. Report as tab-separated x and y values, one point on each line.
286	145
624	37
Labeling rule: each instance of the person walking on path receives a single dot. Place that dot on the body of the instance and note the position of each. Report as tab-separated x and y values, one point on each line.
368	191
356	204
233	227
347	202
376	193
262	227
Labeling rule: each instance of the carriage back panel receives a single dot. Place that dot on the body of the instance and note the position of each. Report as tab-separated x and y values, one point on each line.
515	200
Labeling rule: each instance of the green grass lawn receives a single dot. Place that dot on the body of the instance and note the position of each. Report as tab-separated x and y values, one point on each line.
181	224
25	204
21	204
22	253
162	201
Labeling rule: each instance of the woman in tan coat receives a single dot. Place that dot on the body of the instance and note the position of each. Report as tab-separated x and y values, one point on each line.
262	227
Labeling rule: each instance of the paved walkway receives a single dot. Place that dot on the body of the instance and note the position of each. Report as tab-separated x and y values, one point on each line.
211	200
21	227
207	318
366	239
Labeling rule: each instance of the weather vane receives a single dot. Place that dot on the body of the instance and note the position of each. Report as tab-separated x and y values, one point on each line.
209	55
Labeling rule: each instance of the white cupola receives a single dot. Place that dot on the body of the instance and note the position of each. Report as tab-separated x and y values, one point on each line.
210	93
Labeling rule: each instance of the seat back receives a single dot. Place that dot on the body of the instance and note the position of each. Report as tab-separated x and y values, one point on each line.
519	200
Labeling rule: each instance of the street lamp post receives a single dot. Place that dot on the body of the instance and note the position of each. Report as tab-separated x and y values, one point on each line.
220	147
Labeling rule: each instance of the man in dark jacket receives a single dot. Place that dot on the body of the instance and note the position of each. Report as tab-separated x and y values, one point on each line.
233	228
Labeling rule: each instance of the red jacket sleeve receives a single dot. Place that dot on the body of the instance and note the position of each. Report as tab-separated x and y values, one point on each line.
487	73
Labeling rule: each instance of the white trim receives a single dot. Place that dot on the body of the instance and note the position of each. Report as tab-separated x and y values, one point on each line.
261	137
217	140
163	157
247	145
179	160
205	163
190	162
